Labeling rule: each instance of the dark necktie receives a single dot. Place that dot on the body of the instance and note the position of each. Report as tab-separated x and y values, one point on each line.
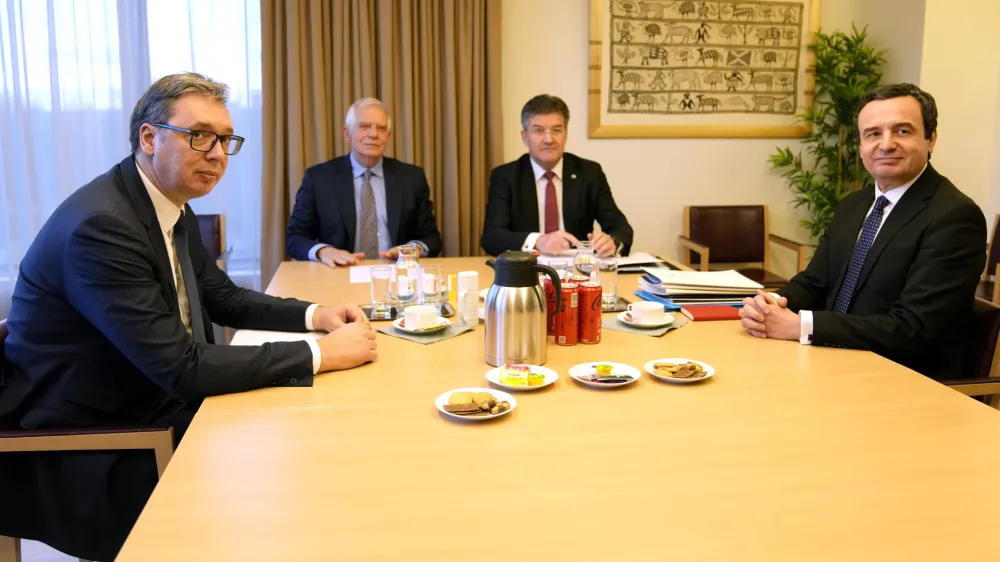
551	204
369	219
190	282
868	232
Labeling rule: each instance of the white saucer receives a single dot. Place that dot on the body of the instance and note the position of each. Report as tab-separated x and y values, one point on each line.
709	370
625	318
442	323
493	375
500	395
586	369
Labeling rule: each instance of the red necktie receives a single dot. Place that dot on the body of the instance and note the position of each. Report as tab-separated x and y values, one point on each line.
551	205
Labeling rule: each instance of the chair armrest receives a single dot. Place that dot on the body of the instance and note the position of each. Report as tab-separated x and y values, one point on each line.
697	248
160	440
799	248
975	387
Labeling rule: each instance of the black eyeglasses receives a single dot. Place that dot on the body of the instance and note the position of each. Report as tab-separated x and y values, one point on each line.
204	141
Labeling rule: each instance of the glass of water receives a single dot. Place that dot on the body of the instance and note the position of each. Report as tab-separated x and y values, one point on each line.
433	285
381	291
608	268
561	267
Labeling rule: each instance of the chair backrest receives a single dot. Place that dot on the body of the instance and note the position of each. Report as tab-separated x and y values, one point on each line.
984	361
733	233
992	251
3	340
213	234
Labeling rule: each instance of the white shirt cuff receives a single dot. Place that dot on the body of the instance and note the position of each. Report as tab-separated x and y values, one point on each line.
805	327
313	346
421	245
314	251
529	242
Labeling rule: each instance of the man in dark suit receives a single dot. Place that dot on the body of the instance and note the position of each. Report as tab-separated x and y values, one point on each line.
362	205
548	199
111	325
897	270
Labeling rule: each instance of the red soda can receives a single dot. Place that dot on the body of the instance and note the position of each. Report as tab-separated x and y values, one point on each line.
568	316
578	279
590	313
551	306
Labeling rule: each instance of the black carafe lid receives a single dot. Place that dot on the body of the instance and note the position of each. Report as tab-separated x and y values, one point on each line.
516	269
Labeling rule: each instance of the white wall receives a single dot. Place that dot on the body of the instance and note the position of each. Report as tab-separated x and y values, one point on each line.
545	51
961	69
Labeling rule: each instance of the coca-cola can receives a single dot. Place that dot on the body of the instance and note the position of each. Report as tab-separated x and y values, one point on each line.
551	306
568	316
590	313
578	279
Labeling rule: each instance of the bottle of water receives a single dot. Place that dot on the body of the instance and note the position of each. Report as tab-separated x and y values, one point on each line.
409	277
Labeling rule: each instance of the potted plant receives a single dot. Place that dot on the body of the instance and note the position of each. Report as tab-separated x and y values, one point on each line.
846	68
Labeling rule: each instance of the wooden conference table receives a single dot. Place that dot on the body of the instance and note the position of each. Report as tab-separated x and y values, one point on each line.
790	453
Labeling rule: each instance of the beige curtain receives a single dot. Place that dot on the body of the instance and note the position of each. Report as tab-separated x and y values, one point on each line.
436	66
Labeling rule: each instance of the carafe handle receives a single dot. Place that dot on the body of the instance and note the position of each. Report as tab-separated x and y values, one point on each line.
553	276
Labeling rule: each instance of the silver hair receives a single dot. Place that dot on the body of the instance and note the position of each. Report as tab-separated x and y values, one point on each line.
351	118
157	104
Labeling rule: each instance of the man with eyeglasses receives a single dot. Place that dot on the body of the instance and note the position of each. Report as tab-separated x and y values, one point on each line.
548	199
111	325
362	205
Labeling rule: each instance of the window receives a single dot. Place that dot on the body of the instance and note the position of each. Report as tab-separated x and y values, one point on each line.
70	74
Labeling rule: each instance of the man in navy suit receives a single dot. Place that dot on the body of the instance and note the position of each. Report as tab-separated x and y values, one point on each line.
896	272
362	205
548	199
111	325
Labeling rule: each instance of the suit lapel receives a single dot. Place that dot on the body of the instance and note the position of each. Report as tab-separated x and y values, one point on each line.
147	214
908	207
393	198
343	186
570	193
529	194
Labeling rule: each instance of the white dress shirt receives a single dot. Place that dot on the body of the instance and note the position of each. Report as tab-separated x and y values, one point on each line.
167	214
541	186
893	195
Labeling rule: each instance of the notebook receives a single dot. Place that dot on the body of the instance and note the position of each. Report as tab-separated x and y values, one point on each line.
711	312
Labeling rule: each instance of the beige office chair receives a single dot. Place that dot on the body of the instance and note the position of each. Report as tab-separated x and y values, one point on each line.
160	440
988	288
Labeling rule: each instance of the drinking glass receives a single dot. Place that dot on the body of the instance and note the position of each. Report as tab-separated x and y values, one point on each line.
433	285
381	291
608	268
583	264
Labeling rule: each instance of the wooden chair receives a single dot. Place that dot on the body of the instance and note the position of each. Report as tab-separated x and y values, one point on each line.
988	287
983	359
735	234
213	235
160	440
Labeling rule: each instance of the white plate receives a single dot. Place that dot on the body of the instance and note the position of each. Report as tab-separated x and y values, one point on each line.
709	370
483	293
482	313
624	318
493	375
586	369
500	395
442	323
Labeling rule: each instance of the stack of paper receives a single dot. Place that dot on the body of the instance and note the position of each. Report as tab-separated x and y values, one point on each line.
697	287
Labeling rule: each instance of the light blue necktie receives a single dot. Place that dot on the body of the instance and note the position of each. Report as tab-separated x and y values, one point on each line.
868	232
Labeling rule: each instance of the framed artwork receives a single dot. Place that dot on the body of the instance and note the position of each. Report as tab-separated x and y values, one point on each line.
693	68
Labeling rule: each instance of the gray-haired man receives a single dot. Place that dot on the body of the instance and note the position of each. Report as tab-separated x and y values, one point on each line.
363	204
111	325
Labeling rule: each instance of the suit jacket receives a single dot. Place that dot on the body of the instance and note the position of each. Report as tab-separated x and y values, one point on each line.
325	213
512	206
913	301
96	340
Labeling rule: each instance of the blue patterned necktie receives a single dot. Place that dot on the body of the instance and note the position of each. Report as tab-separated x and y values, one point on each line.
868	232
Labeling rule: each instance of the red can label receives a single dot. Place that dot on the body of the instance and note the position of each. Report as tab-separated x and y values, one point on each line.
551	307
590	313
568	316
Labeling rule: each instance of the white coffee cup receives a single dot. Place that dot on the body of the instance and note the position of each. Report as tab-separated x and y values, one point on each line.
645	312
419	317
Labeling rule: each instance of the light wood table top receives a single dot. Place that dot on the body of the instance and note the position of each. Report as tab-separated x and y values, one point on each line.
789	453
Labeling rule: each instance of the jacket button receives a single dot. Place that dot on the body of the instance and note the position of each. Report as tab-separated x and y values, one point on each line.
293	381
